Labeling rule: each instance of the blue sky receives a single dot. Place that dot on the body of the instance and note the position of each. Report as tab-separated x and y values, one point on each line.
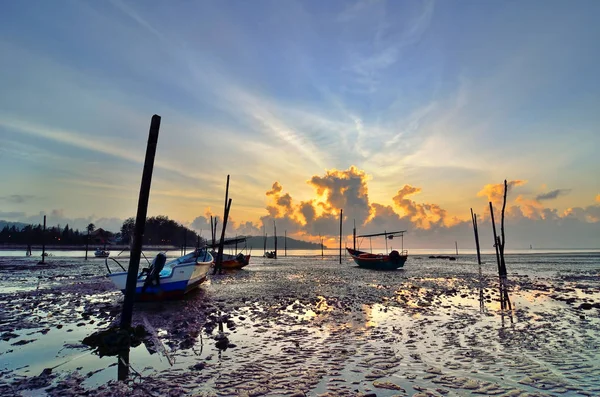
448	96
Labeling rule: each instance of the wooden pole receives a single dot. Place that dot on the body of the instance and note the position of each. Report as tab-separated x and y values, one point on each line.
212	233
44	242
385	237
476	231
503	275
184	241
87	242
136	249
341	218
275	238
497	247
219	262
140	223
456	245
321	241
354	236
285	243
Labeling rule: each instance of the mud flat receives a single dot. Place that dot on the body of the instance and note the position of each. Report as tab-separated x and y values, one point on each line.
309	326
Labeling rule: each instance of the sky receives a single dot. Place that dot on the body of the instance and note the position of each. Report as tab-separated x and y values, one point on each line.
405	114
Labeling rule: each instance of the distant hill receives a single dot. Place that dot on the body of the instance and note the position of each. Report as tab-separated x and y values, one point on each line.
257	242
18	225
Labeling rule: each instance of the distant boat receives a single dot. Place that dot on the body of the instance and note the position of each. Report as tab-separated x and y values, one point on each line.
270	254
389	261
166	280
101	253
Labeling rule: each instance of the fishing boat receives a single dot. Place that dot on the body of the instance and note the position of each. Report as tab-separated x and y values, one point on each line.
388	261
232	261
101	253
235	261
167	280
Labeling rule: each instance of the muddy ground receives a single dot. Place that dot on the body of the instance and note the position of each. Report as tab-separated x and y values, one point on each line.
310	326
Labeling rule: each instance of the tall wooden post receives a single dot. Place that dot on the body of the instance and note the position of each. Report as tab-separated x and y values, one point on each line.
497	247
44	242
219	262
87	242
341	218
456	245
321	241
476	231
136	249
275	238
285	243
140	223
354	236
219	259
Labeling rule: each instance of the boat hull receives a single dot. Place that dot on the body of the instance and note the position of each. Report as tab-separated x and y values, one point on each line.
182	278
377	262
232	262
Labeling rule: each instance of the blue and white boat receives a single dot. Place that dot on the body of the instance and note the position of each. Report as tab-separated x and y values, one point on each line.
168	280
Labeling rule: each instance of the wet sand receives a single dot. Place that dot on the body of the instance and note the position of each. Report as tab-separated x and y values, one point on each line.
310	326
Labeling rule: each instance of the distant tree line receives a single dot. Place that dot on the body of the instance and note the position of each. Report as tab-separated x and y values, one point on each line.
34	234
160	230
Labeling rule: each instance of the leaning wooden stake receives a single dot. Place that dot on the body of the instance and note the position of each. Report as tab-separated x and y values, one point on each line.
136	249
476	231
219	258
219	261
497	247
341	217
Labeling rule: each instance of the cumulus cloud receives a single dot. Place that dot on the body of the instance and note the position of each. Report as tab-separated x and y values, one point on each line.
495	192
422	215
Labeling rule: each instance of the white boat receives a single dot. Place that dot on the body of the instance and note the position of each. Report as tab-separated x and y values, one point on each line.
101	253
166	280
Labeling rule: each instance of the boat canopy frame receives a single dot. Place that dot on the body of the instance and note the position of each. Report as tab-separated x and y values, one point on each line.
387	235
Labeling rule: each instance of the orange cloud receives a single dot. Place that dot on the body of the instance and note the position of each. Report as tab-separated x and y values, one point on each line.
424	215
598	198
495	192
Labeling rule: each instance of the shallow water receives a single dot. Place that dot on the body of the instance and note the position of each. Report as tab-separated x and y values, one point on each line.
313	325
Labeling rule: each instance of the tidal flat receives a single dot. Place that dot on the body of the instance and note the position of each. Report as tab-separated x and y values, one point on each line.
311	326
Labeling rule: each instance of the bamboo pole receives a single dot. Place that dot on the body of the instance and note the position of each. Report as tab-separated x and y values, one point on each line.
87	242
44	242
136	250
476	231
341	218
275	239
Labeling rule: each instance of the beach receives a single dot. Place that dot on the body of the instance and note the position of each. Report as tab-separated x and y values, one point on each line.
307	325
